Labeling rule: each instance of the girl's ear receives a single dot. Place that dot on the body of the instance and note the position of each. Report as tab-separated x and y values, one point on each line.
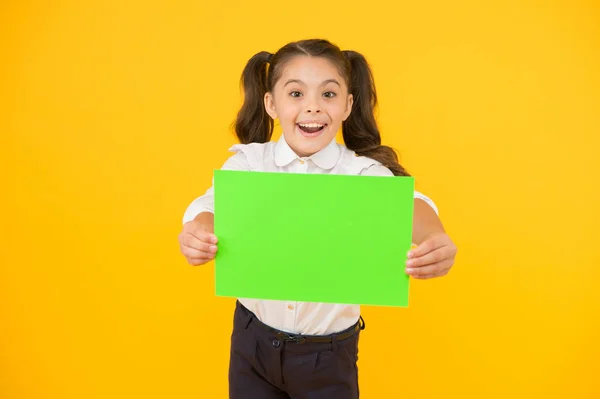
348	106
270	105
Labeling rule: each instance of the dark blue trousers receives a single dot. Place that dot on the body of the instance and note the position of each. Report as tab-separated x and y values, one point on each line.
267	363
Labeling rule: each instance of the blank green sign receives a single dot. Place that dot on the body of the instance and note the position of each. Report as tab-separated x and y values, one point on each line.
313	237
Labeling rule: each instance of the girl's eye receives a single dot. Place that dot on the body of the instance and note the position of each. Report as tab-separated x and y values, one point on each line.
329	94
295	94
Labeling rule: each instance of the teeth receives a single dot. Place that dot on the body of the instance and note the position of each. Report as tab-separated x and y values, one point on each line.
311	125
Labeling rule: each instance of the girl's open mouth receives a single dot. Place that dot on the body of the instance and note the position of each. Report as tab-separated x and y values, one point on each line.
311	129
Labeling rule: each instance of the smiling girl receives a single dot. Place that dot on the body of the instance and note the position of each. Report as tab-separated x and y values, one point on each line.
284	349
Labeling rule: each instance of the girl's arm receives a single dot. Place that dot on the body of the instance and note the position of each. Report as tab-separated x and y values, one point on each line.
197	241
425	222
435	253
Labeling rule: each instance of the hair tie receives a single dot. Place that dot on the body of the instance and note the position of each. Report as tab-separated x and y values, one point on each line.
269	58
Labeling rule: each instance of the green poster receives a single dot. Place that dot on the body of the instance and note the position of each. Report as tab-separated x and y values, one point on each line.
313	237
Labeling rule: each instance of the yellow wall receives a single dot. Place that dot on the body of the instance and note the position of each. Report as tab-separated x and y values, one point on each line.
113	116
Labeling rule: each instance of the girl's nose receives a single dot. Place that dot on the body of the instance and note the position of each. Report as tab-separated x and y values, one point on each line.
313	105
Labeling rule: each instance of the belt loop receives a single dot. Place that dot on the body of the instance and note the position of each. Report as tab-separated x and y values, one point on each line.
334	343
247	314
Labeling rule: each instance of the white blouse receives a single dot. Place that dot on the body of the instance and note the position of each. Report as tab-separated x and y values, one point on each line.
307	318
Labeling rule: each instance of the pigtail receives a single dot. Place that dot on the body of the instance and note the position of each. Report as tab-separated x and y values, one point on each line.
253	124
360	130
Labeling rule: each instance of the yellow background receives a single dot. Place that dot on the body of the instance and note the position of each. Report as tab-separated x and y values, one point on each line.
114	114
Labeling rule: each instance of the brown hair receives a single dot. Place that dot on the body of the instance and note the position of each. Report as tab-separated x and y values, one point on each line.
360	131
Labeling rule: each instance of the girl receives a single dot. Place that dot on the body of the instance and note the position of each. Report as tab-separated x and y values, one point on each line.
284	349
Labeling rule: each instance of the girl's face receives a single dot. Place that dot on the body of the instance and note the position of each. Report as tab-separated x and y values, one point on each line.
311	100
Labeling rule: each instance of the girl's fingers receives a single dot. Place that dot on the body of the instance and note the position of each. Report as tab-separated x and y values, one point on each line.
192	242
193	248
427	246
438	240
200	231
202	247
204	235
427	276
430	258
435	270
193	253
195	257
198	243
198	261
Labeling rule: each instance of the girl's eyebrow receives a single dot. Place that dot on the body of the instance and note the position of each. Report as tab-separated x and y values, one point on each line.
302	83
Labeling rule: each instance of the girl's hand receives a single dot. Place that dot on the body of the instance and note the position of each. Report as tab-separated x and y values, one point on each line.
433	258
197	241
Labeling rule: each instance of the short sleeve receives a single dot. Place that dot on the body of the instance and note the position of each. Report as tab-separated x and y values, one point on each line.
206	202
380	170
